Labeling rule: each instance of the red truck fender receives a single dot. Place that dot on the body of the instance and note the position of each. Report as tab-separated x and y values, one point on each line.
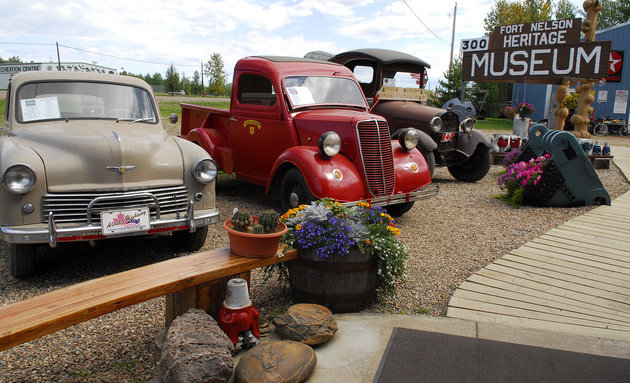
336	178
407	163
214	145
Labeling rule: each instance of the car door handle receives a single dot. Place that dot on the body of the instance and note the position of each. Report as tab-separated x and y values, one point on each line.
233	119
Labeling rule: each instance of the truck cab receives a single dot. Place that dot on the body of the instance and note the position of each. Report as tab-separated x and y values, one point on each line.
444	140
302	129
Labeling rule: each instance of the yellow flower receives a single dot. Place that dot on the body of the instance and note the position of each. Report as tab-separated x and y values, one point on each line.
298	227
363	204
394	230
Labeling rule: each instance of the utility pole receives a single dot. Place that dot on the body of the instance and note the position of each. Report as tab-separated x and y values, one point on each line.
203	88
453	33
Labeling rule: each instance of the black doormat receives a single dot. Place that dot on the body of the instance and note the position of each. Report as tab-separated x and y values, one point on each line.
420	356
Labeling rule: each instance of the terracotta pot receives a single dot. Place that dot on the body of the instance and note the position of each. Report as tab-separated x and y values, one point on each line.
254	245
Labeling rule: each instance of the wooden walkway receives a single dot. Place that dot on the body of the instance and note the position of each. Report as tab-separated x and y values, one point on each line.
573	279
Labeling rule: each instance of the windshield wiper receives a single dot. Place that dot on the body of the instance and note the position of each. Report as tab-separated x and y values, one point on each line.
132	119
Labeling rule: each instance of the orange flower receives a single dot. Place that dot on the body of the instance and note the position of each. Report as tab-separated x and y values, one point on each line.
298	227
367	242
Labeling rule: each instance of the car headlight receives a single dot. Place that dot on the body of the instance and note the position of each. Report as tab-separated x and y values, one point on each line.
329	144
19	179
467	125
205	170
436	124
408	138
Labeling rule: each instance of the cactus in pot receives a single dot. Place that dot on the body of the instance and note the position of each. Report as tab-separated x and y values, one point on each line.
269	220
258	229
241	221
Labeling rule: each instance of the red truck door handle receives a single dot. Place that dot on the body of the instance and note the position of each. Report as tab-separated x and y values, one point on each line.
233	119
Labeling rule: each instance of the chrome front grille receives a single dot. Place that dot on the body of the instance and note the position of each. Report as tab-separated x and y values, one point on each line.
377	156
73	207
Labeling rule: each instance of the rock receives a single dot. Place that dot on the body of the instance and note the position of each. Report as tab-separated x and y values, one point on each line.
195	350
307	323
280	361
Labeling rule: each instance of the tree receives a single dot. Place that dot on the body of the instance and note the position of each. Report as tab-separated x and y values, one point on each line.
10	60
195	84
452	86
565	10
509	13
172	79
216	75
613	12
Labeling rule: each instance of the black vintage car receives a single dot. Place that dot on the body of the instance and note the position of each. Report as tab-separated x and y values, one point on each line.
444	139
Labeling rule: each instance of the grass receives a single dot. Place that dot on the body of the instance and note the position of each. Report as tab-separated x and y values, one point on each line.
168	107
494	124
2	104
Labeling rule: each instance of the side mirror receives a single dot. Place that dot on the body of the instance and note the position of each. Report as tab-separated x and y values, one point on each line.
173	118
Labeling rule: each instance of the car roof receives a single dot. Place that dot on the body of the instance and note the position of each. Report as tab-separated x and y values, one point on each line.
384	56
22	77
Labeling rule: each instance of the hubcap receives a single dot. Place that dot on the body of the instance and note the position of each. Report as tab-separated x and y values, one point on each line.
294	200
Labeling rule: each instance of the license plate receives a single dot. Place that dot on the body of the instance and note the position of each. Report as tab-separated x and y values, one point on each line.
125	221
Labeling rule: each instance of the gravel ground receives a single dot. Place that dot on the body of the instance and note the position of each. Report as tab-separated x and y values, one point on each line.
449	237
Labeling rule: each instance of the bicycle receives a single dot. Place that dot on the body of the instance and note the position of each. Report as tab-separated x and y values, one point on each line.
604	125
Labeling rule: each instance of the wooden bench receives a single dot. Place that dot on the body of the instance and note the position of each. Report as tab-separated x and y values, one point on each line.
196	280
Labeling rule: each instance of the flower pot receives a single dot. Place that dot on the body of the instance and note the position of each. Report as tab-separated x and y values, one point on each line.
254	245
520	126
343	283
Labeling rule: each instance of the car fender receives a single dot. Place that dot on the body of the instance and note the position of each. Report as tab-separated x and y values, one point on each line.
13	152
336	178
214	145
425	142
467	143
411	169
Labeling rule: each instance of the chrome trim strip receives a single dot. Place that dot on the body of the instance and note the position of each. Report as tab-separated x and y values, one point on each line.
425	192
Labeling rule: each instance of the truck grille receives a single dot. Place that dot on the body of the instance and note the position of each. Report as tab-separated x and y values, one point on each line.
450	123
72	207
377	156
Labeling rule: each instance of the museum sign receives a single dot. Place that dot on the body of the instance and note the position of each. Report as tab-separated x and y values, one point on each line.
540	52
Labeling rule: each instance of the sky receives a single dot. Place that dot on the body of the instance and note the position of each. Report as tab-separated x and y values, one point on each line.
148	36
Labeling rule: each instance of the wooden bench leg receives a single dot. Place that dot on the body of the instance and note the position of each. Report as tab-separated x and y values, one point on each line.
208	296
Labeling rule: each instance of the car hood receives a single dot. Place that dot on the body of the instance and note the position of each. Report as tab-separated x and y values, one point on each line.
97	155
313	123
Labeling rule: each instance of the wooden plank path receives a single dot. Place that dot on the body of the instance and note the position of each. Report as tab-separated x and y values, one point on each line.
573	279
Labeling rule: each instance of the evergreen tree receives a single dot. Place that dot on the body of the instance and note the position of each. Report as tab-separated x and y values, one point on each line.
195	85
452	87
565	10
172	79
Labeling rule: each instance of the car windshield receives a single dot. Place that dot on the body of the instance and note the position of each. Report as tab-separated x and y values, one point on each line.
75	100
320	90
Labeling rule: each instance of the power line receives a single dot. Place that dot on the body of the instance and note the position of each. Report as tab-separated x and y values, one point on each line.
428	29
100	54
122	58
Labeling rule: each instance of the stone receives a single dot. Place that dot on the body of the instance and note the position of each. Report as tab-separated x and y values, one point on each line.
307	323
276	361
195	349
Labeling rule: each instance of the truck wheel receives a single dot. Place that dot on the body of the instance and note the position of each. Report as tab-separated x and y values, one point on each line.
294	191
191	241
430	158
399	209
475	168
21	260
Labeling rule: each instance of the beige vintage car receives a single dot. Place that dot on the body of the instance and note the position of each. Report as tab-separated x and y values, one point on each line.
85	157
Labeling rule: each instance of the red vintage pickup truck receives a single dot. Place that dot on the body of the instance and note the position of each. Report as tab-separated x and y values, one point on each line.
302	129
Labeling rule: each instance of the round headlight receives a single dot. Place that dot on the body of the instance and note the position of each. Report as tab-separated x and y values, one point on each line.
467	125
329	144
205	171
408	138
436	124
19	179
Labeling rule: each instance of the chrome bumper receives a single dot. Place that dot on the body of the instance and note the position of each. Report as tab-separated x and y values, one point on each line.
425	192
51	233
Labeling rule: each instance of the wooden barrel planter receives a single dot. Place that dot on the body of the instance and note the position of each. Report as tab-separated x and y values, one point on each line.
343	283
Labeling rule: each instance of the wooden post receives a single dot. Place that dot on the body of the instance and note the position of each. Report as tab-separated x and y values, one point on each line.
585	98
